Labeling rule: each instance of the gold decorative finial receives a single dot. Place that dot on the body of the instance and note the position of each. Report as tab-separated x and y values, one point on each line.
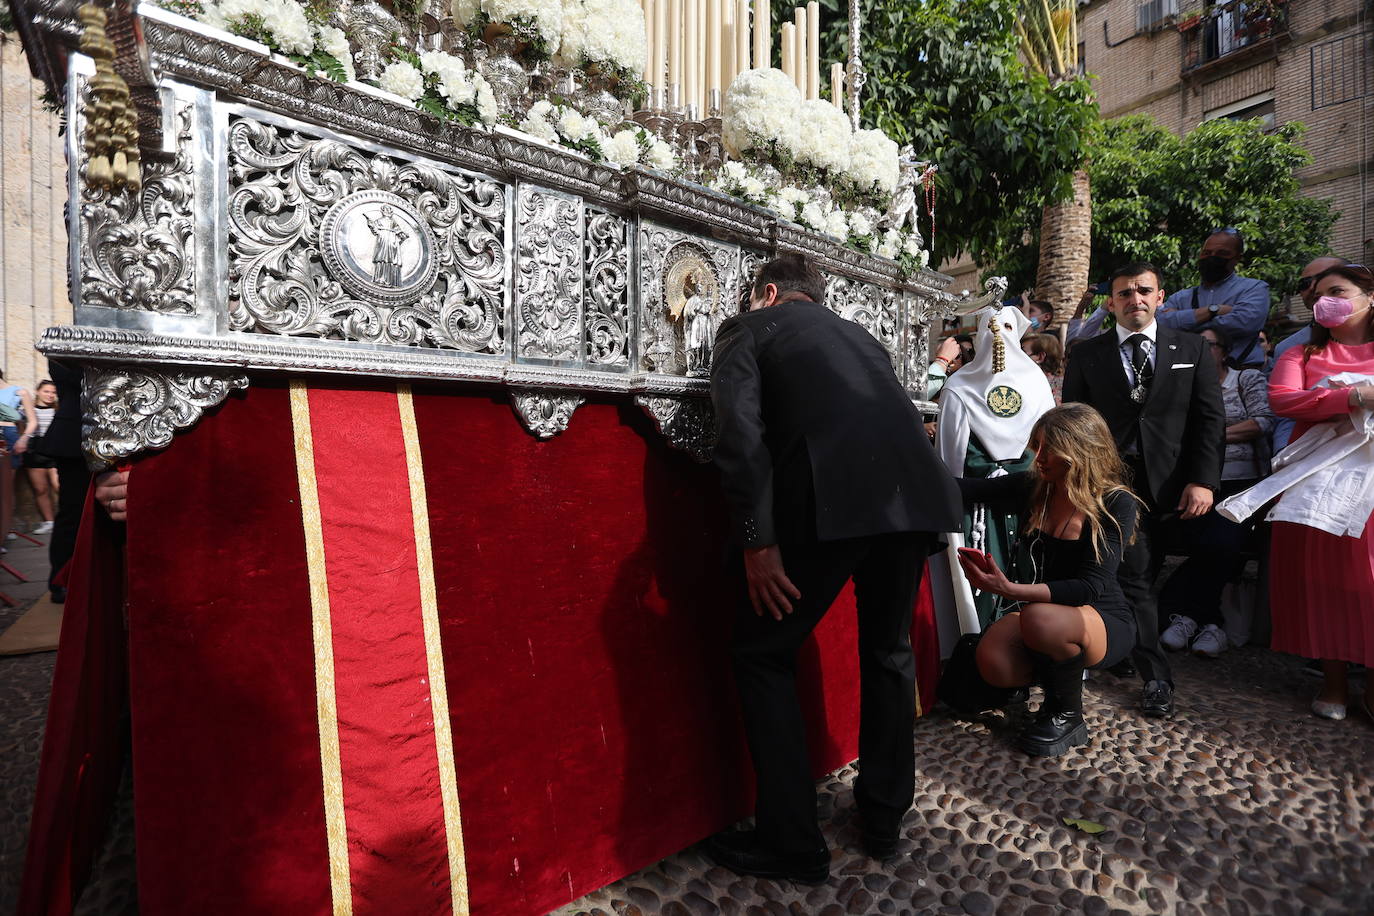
999	346
111	143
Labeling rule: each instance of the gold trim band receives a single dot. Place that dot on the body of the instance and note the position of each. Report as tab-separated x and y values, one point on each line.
325	707
438	686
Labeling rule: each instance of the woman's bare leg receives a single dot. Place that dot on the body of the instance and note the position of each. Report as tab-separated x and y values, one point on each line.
1002	658
1061	632
42	494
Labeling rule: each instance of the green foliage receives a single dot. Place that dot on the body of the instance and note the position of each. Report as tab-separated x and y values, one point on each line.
944	76
1156	196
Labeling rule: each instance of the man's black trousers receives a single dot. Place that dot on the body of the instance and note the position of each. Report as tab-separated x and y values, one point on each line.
886	570
1140	566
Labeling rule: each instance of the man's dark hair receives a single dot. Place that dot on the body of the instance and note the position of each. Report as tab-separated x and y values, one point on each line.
792	273
1234	233
1134	269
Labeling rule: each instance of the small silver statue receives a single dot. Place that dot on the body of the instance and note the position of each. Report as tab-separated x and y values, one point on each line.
903	207
696	314
386	254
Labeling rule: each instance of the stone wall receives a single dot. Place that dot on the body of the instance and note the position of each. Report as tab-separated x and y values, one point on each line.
33	237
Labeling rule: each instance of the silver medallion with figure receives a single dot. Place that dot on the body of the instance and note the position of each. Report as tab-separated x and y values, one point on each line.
379	247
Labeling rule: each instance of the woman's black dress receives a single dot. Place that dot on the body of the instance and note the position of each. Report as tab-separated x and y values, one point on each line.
1074	575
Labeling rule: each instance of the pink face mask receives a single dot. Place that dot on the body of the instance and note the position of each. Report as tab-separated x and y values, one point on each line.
1332	311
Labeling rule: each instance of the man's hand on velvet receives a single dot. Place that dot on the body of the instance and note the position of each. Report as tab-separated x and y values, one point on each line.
112	492
769	587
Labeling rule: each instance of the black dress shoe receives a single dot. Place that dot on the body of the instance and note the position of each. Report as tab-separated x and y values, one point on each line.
1124	668
741	853
1157	700
1052	735
59	594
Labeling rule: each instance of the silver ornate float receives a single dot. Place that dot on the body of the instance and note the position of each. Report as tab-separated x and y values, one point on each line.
290	224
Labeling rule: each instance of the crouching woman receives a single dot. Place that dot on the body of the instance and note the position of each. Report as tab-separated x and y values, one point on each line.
1068	612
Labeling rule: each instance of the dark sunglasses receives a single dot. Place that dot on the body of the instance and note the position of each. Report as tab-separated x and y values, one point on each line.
1305	282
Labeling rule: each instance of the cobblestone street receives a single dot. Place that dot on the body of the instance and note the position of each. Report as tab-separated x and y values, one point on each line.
1243	803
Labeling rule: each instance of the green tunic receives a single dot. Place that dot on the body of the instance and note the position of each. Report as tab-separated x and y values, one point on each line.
1001	528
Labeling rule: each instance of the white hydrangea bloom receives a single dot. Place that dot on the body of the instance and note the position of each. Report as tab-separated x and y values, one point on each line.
604	31
873	166
760	107
823	138
836	224
400	78
623	148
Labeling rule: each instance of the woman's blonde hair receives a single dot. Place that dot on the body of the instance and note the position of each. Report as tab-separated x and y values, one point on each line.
1078	434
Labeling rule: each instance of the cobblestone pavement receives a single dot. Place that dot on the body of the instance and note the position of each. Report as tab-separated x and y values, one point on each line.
24	684
1243	803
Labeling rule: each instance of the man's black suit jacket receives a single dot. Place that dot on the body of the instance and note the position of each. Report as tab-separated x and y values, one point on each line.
815	435
1181	425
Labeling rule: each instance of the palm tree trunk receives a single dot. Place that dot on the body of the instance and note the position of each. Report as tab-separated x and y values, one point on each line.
1066	248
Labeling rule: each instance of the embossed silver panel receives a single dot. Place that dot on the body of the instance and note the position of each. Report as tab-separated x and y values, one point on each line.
548	275
608	325
306	223
131	409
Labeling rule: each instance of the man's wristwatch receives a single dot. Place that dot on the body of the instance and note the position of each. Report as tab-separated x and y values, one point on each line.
1214	308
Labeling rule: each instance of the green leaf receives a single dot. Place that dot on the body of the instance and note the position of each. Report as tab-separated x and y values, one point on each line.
1085	825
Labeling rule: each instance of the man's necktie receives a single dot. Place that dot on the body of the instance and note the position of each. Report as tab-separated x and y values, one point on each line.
1140	365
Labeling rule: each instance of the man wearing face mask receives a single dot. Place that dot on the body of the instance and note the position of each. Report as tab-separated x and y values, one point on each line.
1224	299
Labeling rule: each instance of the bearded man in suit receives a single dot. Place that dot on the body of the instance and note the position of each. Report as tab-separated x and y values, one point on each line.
829	476
1157	388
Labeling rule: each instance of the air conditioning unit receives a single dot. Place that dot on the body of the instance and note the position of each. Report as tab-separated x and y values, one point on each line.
1153	15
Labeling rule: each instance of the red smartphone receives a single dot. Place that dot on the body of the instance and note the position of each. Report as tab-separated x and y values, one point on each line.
979	558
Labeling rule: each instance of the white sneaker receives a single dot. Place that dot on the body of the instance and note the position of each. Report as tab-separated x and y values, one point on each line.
1180	632
11	536
1211	642
43	528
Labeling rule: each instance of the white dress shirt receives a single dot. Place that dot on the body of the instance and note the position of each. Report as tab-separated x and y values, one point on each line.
1128	352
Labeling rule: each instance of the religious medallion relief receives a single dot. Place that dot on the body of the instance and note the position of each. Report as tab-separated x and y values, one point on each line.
689	286
329	241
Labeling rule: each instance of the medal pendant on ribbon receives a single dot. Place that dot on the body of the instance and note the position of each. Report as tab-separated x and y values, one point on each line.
1138	394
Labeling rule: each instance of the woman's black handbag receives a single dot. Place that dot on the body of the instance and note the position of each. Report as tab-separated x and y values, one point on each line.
962	687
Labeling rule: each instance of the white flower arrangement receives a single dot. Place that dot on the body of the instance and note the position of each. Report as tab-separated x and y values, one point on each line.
559	124
539	23
440	84
609	34
823	137
860	224
836	225
735	179
759	116
286	27
873	166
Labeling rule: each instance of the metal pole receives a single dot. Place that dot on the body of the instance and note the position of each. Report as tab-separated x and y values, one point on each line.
854	72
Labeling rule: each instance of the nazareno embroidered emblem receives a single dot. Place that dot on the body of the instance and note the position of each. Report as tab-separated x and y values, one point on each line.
1004	401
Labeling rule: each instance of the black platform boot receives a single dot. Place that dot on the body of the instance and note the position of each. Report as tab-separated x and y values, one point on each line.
1059	723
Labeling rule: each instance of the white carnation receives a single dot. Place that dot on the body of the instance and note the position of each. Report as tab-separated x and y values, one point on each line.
661	156
486	100
334	42
794	197
873	166
912	246
400	78
887	249
733	174
859	224
812	215
836	224
623	148
545	16
574	126
536	122
753	188
288	25
823	138
759	109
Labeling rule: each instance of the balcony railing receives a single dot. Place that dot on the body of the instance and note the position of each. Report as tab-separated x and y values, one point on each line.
1226	28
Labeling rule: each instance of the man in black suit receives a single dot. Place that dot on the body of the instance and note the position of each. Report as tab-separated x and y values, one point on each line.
1157	388
829	475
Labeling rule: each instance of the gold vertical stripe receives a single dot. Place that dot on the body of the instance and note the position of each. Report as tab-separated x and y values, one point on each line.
325	707
438	689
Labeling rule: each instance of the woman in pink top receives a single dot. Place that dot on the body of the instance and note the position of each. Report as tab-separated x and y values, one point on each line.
1322	585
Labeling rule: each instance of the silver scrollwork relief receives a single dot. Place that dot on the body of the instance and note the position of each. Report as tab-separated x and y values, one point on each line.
688	423
131	409
548	274
608	290
545	413
138	249
328	241
874	308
